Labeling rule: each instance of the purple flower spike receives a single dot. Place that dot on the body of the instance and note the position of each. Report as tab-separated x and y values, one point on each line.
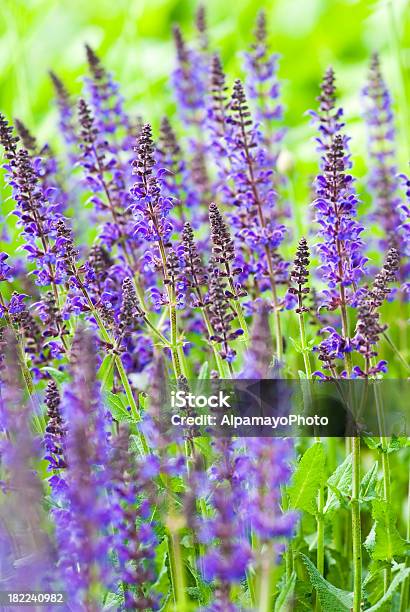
263	85
340	249
83	519
383	180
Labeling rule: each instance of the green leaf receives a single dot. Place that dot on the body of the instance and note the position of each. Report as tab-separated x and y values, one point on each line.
118	408
58	376
308	477
330	597
296	345
113	601
384	541
136	445
372	442
284	601
395	583
368	484
397	443
106	371
340	485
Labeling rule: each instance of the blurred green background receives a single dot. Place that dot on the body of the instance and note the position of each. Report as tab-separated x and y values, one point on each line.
133	38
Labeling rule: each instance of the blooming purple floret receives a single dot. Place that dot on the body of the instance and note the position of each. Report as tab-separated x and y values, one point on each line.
66	111
150	207
383	180
340	248
6	272
36	215
262	83
189	82
254	217
267	469
227	562
83	518
105	98
329	117
134	538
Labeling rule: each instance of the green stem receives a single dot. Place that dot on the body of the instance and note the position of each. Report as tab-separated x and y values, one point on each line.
305	352
356	527
385	467
405	589
174	331
177	571
266	579
131	400
396	350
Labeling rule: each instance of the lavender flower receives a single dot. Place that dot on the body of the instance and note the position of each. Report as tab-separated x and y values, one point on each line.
189	82
26	553
150	207
54	438
202	29
66	112
368	327
28	141
221	316
383	182
254	220
300	275
263	85
134	538
82	520
259	355
6	272
223	251
340	249
176	181
131	309
36	215
226	563
105	98
194	271
329	118
268	470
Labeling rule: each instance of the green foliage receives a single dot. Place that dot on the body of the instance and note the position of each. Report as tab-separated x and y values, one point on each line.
331	598
340	485
284	601
308	477
398	579
384	541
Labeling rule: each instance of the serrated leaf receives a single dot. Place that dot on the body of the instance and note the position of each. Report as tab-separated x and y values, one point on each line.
384	541
368	484
396	443
284	601
340	485
395	583
308	477
118	408
136	445
330	597
372	442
